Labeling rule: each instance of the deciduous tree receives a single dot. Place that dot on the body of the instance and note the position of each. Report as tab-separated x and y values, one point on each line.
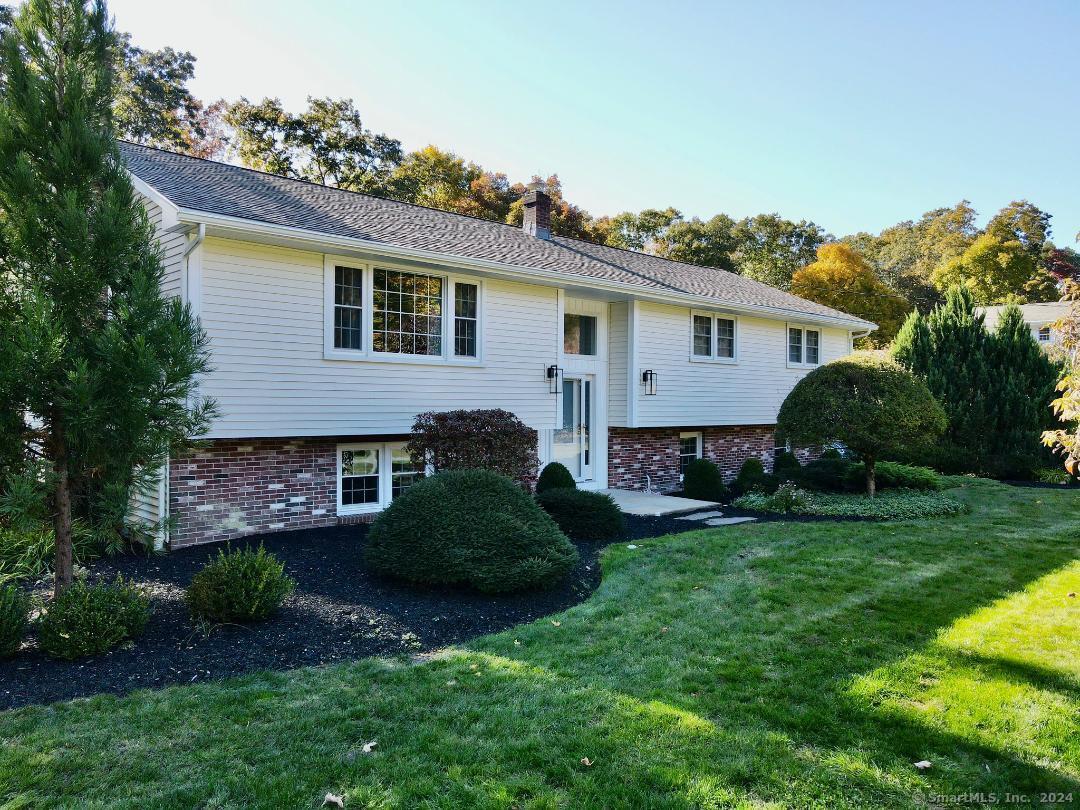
994	271
843	279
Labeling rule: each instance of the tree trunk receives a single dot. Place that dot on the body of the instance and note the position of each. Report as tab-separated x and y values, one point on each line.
871	483
62	526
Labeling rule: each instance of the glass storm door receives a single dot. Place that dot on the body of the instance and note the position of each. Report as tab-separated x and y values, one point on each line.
574	435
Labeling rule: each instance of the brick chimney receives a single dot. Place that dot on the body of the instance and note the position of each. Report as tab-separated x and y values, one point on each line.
537	221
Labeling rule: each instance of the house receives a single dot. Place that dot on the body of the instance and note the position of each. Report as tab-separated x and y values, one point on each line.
1040	317
335	317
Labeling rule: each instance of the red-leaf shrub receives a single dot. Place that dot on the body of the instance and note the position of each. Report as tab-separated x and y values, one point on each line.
484	439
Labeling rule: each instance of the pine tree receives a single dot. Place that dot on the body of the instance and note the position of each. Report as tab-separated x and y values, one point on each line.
105	367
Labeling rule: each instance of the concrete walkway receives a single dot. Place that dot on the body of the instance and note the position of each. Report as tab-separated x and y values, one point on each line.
642	503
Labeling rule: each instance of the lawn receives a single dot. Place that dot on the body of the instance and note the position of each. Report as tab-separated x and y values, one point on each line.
769	665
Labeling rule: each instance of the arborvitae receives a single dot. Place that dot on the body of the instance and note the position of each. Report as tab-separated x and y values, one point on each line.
1025	381
104	366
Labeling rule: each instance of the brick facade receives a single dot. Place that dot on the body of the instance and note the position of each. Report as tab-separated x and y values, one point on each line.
634	453
233	488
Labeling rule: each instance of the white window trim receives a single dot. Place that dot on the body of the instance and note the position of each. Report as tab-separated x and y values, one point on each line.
386	466
368	354
593	309
1049	334
804	328
715	337
697	434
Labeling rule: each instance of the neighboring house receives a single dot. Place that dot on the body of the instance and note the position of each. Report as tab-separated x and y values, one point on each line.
335	317
1039	317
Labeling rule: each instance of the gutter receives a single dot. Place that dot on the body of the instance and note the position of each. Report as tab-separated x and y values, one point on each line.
319	241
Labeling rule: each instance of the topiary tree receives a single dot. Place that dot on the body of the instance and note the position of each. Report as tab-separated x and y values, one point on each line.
491	439
472	527
874	407
555	476
703	481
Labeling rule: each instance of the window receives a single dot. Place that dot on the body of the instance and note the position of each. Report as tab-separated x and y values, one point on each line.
348	308
712	337
689	450
725	338
794	345
406	313
1044	334
466	309
370	476
359	476
813	346
703	336
381	313
803	346
579	334
403	473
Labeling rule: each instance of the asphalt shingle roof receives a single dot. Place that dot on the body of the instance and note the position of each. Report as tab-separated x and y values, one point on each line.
220	188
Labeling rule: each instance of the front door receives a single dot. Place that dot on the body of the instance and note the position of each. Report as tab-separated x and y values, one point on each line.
573	439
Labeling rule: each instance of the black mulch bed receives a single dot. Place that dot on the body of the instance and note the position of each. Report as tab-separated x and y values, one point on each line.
339	611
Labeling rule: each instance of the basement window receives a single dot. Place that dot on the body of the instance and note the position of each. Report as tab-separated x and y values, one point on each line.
689	450
372	475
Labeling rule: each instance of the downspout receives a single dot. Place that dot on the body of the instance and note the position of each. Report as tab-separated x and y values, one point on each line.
856	335
200	235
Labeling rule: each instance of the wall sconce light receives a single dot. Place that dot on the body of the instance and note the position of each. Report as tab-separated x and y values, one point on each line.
554	376
648	379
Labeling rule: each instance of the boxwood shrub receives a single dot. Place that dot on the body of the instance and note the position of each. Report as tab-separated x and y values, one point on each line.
703	481
555	476
469	527
786	466
14	609
239	586
89	619
752	477
583	515
826	474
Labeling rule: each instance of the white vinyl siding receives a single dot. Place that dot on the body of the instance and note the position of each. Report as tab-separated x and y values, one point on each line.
618	314
172	251
690	392
149	508
262	308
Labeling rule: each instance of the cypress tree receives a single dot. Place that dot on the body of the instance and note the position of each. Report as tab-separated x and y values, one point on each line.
104	367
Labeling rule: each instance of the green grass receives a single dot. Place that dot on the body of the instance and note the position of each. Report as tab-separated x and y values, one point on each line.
771	665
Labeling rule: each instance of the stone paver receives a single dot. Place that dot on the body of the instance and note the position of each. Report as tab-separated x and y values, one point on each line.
731	521
700	515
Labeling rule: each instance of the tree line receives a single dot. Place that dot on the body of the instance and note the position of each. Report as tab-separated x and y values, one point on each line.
880	276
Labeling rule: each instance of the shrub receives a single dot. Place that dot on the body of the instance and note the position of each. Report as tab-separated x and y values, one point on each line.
873	407
891	475
897	504
14	609
89	619
831	453
555	476
472	440
703	481
827	474
583	515
239	586
786	466
787	498
751	475
471	527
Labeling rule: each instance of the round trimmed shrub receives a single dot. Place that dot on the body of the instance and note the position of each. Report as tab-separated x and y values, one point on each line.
828	474
786	466
555	476
753	478
703	481
583	515
239	586
14	609
469	527
90	619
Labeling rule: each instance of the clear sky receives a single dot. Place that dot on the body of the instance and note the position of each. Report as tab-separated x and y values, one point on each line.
855	115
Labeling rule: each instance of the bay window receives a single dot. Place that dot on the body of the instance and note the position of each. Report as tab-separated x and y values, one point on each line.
375	312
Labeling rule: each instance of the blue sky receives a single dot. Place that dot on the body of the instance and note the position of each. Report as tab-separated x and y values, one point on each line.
855	115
